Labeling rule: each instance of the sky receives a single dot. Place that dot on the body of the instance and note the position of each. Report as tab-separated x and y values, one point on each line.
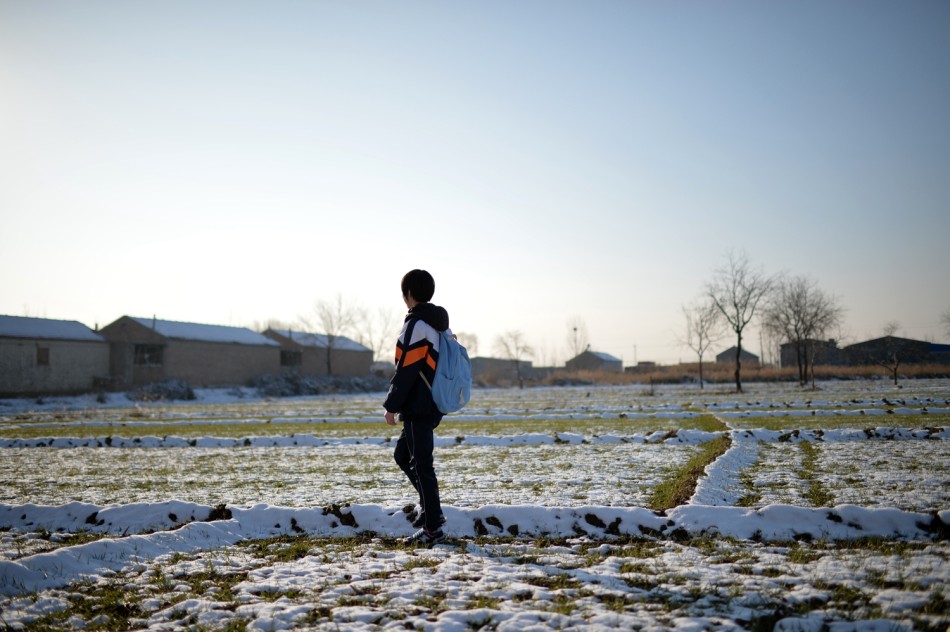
236	162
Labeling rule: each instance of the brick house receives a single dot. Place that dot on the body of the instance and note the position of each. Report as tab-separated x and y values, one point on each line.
729	357
595	361
890	348
40	356
318	354
147	350
494	370
818	352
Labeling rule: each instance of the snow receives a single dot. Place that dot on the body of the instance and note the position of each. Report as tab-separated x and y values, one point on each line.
205	333
321	341
44	328
71	564
548	527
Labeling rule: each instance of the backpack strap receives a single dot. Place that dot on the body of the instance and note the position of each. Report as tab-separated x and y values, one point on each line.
443	342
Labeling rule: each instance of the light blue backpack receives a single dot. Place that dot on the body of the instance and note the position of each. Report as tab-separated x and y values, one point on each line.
452	384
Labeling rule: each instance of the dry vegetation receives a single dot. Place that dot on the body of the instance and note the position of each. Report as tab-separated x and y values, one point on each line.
724	374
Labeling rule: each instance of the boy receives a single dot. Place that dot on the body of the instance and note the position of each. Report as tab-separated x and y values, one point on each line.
410	396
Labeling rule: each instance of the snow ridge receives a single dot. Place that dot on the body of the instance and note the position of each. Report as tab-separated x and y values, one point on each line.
690	437
174	526
722	484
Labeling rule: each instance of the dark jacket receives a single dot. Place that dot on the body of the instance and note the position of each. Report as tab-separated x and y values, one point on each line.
417	352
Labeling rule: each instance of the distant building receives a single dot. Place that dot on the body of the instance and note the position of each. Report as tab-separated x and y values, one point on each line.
499	370
939	353
729	357
308	354
643	366
39	356
147	350
817	352
890	348
594	361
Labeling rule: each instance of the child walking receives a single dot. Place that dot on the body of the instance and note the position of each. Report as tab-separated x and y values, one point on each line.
410	401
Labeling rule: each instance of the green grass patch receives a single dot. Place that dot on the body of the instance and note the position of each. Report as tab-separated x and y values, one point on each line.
836	422
816	493
224	583
639	568
281	548
422	562
484	601
557	581
434	603
640	548
680	484
579	425
192	430
800	555
238	429
288	548
110	605
708	422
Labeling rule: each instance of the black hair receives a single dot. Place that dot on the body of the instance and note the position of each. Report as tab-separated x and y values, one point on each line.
419	284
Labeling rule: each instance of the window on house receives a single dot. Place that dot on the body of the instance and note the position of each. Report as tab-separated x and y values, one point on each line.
291	358
148	355
42	356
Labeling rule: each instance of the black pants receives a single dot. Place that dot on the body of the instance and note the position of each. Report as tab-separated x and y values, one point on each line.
413	455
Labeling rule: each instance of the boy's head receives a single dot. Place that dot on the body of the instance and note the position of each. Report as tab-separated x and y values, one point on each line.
418	284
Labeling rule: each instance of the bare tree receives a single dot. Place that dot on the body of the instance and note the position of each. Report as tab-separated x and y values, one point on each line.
546	354
737	290
945	321
802	314
512	346
891	328
577	339
334	318
704	327
470	342
771	345
890	355
377	330
270	323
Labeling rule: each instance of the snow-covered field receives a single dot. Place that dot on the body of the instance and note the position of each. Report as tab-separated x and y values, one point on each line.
830	510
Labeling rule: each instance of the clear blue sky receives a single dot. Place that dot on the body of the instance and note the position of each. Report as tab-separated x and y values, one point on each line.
232	162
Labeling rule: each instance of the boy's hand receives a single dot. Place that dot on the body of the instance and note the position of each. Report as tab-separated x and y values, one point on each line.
390	418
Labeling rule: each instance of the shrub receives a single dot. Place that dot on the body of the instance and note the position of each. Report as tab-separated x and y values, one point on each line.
714	373
162	391
291	384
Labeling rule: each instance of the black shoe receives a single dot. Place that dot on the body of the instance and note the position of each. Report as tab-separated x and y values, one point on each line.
420	520
426	538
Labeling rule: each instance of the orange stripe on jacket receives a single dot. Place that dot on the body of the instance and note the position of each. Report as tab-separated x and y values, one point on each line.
415	355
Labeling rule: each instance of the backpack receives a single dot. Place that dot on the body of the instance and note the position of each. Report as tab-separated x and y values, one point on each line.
452	385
